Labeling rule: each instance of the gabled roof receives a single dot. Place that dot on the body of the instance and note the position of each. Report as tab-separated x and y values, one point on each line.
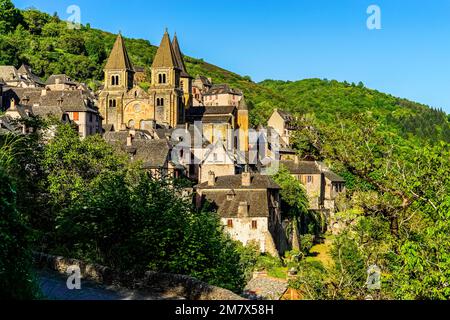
179	57
25	69
333	177
285	115
118	58
258	181
62	78
302	167
9	73
222	89
165	56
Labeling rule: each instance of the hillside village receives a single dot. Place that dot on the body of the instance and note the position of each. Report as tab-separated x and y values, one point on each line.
150	124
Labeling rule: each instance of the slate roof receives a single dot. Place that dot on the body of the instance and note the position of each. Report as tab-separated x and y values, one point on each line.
67	100
25	69
258	202
63	79
9	73
285	115
153	153
118	58
165	56
204	80
333	177
302	167
211	114
222	89
179	57
235	182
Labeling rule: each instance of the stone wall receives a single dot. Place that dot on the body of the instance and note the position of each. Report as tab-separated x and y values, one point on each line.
180	285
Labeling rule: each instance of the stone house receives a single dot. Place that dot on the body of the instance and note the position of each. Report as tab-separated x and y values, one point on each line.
249	208
22	78
222	95
43	102
284	123
200	86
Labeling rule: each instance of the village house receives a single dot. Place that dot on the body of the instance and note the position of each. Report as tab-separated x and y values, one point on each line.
222	95
249	208
22	78
200	85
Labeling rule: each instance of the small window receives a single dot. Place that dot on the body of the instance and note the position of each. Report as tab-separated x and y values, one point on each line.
254	224
112	103
76	116
230	223
162	78
160	102
309	179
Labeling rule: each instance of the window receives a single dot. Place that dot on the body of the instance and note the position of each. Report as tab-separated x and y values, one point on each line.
112	103
309	179
254	224
76	116
115	80
159	102
230	223
162	78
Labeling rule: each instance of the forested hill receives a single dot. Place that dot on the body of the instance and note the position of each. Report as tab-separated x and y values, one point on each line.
50	47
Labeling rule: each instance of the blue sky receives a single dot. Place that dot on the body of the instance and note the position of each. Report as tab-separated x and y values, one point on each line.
295	39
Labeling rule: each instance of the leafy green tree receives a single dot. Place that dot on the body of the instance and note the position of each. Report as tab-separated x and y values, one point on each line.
16	277
10	17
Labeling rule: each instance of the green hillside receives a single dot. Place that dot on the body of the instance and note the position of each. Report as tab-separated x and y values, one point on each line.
393	153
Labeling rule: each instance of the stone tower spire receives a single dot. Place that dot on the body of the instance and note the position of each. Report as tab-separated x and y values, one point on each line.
185	78
118	58
165	56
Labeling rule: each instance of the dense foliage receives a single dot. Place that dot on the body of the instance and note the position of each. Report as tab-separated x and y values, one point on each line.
16	277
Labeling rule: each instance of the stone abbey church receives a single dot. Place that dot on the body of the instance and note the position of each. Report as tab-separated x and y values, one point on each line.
125	105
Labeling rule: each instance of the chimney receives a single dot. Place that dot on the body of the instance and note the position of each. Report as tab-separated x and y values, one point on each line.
246	179
44	92
243	209
129	140
13	104
211	179
296	160
57	81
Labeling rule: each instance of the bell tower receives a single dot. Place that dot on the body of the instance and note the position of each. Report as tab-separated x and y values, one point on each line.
165	88
119	76
185	78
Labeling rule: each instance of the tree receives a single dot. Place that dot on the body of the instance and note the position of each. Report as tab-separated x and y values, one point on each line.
294	201
16	277
10	17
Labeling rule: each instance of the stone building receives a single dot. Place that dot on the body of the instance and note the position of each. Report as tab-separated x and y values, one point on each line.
222	95
249	208
124	103
74	104
22	78
284	123
200	86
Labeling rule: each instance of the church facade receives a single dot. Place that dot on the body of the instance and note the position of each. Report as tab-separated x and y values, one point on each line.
125	105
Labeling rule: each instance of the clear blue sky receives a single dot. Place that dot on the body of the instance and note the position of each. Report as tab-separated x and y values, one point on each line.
295	39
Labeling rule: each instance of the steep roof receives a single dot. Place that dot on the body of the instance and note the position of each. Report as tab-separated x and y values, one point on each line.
61	78
222	89
258	181
179	57
9	73
302	167
26	70
333	177
165	56
285	115
152	153
118	58
257	201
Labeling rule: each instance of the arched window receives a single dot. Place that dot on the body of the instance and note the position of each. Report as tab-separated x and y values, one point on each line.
112	103
162	78
115	80
160	102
